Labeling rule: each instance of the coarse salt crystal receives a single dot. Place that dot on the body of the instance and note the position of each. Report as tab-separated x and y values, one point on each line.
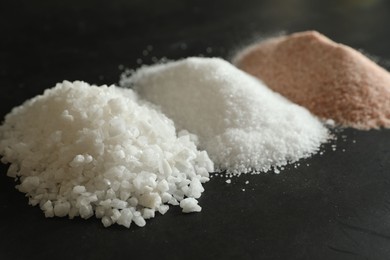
190	205
121	154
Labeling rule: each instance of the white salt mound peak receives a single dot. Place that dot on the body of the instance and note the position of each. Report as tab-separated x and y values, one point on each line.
81	150
243	125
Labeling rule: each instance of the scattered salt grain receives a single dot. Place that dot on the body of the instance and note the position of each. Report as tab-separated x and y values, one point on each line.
244	126
148	213
190	205
163	209
149	47
82	150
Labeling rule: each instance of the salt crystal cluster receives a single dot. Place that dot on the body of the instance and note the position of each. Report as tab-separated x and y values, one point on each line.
243	125
82	150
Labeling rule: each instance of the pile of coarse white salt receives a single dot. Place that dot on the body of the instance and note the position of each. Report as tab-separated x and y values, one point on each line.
243	125
82	150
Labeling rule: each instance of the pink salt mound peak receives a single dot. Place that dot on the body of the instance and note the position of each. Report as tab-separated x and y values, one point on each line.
332	80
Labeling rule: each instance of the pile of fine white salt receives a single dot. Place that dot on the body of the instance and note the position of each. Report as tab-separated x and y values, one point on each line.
243	125
82	150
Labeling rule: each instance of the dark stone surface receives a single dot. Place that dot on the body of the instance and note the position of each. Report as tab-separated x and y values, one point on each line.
336	207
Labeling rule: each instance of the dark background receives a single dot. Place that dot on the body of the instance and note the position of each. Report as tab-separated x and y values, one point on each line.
334	206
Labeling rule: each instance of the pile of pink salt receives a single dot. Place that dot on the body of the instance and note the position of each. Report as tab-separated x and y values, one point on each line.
332	80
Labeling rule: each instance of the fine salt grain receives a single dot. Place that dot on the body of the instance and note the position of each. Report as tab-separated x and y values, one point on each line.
332	80
81	150
244	126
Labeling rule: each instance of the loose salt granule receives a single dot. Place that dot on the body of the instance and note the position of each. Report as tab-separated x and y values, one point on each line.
85	211
78	160
244	126
148	213
29	183
106	221
79	189
61	209
133	201
47	208
82	150
163	209
190	205
138	219
125	217
228	181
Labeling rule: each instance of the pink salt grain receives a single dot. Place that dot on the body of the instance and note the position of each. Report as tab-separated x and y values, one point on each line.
332	80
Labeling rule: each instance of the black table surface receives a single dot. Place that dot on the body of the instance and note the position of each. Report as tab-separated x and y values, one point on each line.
334	206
